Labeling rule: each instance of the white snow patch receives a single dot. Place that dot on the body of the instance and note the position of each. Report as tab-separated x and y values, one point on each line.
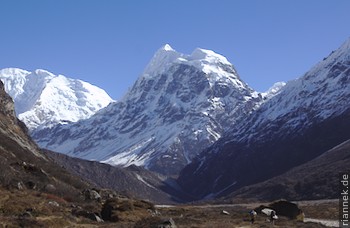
215	194
143	181
325	222
131	156
273	90
213	133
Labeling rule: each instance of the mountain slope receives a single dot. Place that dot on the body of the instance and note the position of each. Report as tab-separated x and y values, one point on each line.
37	192
309	116
131	181
22	162
180	105
316	179
43	99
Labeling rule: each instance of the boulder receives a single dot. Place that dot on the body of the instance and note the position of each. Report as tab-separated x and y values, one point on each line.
87	214
282	208
91	194
287	209
53	203
50	188
20	185
169	223
225	212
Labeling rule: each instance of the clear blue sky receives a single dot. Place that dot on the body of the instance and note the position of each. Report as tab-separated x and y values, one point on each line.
109	42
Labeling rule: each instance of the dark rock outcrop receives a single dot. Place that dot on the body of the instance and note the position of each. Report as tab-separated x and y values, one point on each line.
282	208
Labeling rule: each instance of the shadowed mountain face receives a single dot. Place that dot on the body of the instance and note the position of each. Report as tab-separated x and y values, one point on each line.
132	181
316	179
308	117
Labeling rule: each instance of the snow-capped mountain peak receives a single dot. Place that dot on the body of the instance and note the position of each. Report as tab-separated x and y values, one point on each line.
15	80
208	56
43	99
306	117
167	47
216	66
12	72
178	106
165	56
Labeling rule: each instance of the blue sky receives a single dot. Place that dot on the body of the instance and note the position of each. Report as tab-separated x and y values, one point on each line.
108	43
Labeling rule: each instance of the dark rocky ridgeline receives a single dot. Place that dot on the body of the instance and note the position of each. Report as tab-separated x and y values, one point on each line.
7	105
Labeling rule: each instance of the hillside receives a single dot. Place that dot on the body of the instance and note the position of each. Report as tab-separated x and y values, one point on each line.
316	179
308	117
36	192
132	181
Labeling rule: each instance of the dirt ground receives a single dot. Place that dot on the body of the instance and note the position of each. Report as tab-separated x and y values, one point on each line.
211	216
33	209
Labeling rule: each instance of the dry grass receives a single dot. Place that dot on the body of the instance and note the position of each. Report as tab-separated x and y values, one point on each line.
32	209
211	217
322	209
133	213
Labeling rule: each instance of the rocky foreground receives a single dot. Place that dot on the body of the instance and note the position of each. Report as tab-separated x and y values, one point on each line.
35	209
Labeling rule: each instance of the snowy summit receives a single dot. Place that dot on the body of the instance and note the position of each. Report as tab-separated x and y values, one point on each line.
43	99
179	105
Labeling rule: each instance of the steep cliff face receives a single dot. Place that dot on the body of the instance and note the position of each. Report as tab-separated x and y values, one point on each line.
307	117
180	105
10	126
7	105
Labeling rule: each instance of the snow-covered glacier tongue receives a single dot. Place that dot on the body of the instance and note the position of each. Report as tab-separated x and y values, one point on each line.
179	106
43	100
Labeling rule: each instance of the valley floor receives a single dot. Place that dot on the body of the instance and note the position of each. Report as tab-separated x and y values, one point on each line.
322	213
34	209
